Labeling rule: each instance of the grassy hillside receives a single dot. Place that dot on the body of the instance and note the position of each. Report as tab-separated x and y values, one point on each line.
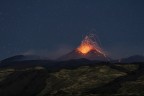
98	80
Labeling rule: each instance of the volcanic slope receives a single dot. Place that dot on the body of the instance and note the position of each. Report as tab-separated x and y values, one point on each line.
88	49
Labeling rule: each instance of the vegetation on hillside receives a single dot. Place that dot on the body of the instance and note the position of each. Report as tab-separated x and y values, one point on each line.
98	80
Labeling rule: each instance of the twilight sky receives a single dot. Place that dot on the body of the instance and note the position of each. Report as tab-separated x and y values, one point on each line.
54	27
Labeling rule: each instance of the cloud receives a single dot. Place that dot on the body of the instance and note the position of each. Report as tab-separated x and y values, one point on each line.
29	52
61	50
51	54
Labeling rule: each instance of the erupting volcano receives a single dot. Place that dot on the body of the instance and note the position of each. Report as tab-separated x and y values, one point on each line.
88	49
89	44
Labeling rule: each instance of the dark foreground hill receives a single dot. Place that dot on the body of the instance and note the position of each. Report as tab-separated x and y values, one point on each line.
71	78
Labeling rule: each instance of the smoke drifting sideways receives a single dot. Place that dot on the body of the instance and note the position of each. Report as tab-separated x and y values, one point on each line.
49	54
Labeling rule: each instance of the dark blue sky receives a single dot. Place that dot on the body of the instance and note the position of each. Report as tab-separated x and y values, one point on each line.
53	27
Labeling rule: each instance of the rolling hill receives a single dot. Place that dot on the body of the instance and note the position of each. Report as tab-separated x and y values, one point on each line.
77	77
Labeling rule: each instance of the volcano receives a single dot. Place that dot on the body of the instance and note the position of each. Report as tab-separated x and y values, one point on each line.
88	49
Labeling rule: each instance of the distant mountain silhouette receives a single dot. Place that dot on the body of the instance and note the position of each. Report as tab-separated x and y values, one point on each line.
13	58
71	60
132	59
19	62
22	61
22	58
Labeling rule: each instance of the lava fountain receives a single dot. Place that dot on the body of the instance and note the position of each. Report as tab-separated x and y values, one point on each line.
88	49
89	44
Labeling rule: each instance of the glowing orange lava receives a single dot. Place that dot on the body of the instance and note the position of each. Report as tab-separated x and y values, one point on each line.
88	45
85	46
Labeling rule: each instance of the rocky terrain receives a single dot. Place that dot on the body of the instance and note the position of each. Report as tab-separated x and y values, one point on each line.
72	78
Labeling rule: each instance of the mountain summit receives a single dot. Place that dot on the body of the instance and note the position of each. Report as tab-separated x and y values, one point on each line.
89	49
